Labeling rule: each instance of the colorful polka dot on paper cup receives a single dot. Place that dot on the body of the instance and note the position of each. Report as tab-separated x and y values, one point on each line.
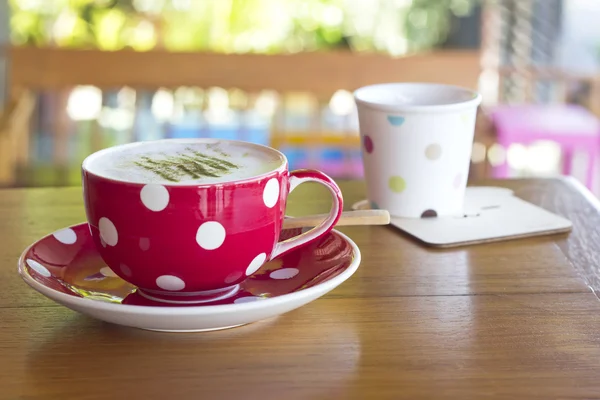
397	184
433	151
395	120
368	143
429	214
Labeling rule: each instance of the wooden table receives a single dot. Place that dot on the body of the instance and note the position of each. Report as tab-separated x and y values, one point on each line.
504	320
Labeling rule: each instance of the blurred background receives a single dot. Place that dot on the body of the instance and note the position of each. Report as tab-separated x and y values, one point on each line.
77	76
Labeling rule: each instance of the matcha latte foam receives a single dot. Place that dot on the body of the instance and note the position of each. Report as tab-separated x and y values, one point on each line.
184	161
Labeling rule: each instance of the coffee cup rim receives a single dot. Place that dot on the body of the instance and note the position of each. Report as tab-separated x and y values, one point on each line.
283	165
471	99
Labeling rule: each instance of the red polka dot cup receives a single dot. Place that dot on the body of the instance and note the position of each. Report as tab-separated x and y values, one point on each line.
195	242
416	145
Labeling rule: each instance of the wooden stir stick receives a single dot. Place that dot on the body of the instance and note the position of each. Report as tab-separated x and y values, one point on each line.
348	218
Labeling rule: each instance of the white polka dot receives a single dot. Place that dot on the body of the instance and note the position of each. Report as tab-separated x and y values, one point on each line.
155	197
106	271
39	268
271	192
125	269
170	282
234	276
284	273
102	242
144	244
66	236
247	299
258	261
108	231
210	235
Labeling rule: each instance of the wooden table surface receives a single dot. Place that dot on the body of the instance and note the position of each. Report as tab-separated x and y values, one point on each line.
504	320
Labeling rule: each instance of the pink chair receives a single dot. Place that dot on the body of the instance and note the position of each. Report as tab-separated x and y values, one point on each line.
571	126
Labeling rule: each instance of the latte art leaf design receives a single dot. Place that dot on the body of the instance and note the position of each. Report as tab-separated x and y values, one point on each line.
189	165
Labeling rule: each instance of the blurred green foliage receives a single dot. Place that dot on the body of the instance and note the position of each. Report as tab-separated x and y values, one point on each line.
236	26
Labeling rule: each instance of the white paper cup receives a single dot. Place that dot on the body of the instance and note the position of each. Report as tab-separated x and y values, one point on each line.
416	146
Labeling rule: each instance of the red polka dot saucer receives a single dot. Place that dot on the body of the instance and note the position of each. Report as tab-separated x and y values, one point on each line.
65	267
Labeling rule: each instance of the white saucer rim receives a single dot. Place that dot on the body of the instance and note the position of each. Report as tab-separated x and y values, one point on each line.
199	310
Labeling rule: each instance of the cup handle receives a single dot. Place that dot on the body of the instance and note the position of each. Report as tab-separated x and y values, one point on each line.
306	175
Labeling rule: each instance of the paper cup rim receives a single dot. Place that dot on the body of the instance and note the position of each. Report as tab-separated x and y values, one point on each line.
460	104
